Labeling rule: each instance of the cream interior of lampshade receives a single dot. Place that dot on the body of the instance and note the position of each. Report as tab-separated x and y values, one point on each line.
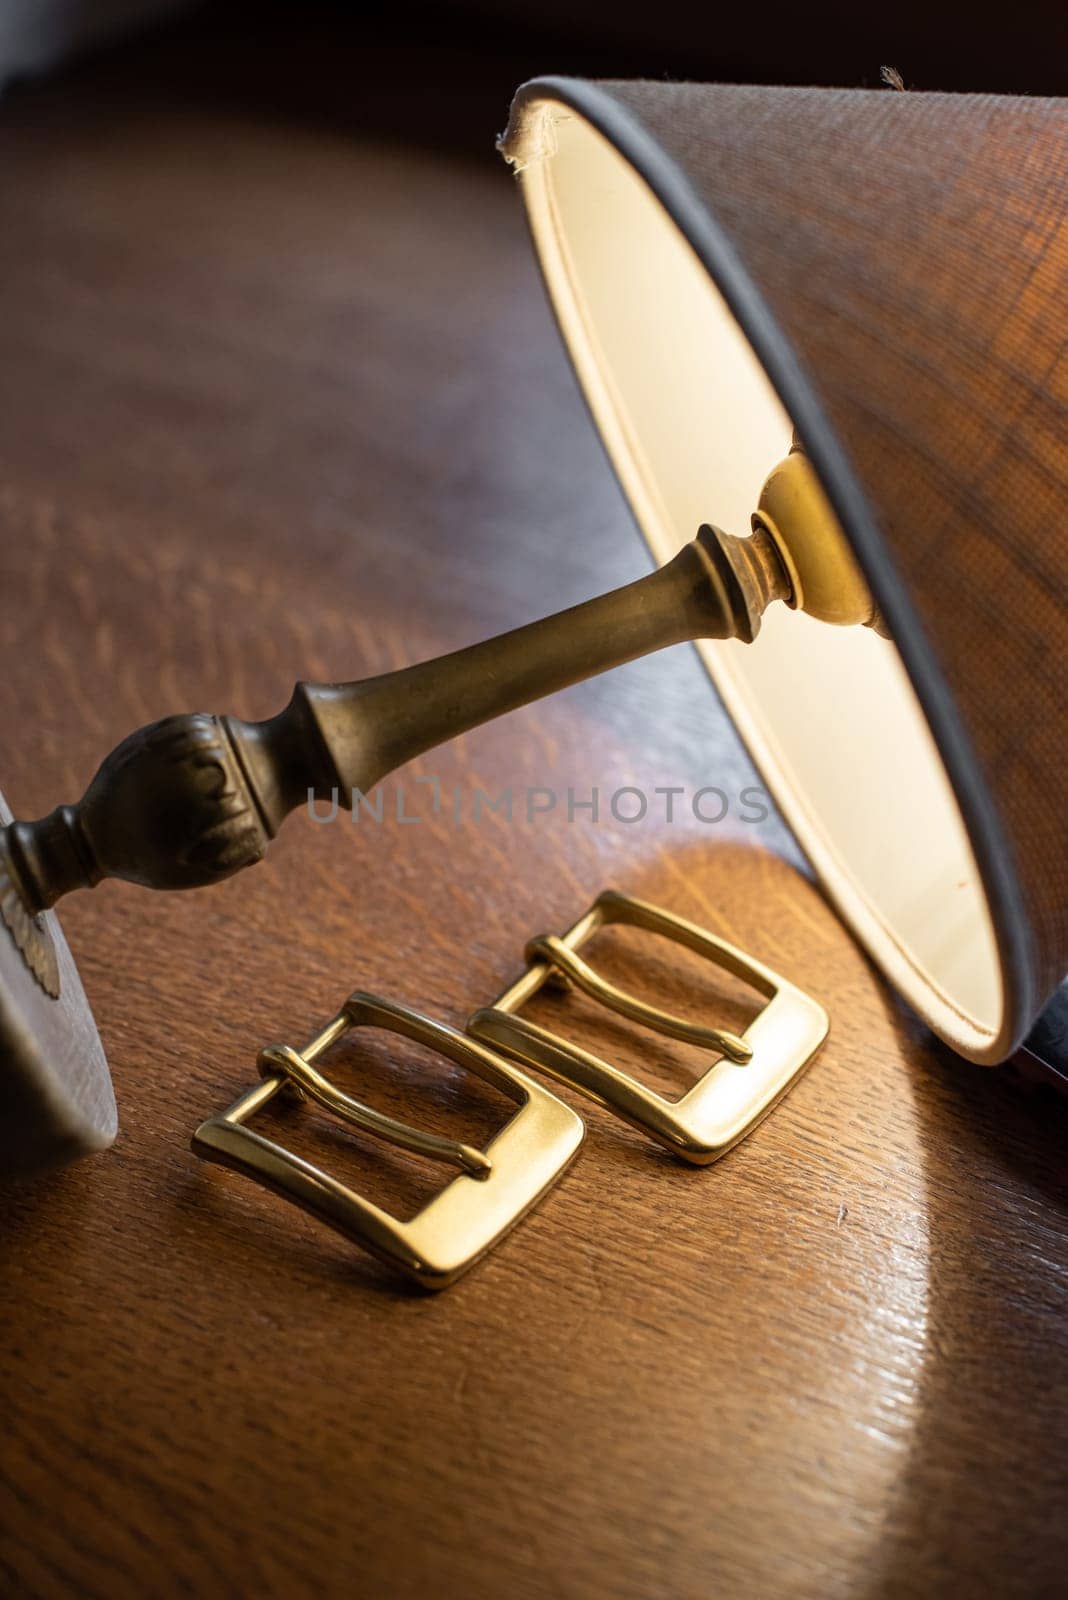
693	427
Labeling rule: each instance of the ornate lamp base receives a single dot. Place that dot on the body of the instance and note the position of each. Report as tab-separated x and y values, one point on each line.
56	1099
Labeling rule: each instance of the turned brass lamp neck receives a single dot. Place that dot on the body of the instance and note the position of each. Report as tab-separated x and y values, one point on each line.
190	800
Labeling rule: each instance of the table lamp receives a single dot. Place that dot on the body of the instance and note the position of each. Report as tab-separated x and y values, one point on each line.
822	330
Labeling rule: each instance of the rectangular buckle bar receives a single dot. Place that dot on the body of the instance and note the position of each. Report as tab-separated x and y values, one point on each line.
754	1069
494	1189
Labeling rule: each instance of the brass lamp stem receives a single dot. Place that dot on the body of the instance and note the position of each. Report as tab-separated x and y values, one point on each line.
192	799
715	588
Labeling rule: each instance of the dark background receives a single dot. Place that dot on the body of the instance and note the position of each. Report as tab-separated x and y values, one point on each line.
443	72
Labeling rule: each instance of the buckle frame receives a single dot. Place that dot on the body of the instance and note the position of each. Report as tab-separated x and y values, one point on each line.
728	1100
494	1190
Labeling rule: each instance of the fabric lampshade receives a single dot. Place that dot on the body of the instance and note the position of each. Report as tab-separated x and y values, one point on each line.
881	275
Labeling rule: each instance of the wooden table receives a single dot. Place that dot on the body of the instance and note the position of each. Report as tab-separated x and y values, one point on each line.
280	403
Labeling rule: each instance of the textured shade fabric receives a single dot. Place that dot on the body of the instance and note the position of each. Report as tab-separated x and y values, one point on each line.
898	262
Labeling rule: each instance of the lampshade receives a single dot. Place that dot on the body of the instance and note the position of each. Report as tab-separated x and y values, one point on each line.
881	276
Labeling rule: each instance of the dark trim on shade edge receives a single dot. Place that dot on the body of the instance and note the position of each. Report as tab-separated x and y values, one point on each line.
717	254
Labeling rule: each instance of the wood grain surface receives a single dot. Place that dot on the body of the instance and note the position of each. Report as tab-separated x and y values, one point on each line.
279	403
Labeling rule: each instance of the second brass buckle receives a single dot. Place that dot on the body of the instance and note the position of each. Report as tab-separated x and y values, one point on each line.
752	1071
495	1188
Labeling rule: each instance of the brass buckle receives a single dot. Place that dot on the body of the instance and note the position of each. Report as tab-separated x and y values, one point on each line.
495	1188
754	1069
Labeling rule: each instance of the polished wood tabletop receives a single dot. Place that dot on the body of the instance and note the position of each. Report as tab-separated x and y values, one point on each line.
280	402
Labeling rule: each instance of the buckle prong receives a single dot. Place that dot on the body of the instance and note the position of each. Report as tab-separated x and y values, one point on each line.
548	948
295	1066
